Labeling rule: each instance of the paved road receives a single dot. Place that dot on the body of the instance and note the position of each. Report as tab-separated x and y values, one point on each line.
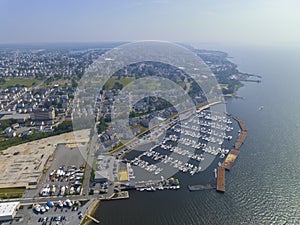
29	201
93	147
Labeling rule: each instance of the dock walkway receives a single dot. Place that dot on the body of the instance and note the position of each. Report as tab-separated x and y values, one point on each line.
221	179
231	157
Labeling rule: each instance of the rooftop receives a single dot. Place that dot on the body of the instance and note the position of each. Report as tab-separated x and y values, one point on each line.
8	208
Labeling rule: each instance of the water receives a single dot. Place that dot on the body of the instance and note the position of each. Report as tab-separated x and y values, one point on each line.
263	186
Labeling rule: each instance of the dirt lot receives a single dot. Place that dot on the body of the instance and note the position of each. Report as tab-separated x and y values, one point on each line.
24	164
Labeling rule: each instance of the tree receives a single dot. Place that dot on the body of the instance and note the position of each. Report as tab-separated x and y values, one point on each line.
74	83
118	85
2	80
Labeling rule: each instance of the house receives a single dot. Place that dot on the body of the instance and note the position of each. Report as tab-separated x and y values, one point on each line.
15	125
145	122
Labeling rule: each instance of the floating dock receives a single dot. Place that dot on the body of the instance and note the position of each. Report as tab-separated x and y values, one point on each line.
199	187
221	179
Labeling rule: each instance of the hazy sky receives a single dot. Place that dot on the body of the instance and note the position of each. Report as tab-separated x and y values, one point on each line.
229	21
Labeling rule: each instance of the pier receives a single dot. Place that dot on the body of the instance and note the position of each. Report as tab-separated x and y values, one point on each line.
221	179
92	218
233	154
231	157
90	211
242	135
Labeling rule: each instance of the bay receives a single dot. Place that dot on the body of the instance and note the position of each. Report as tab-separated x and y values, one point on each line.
263	186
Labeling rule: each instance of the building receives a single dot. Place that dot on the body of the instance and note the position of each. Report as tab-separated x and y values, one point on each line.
43	114
21	118
99	178
8	210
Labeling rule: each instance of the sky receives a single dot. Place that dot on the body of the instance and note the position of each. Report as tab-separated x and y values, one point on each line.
218	21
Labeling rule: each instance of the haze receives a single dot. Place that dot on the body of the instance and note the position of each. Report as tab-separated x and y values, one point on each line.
257	21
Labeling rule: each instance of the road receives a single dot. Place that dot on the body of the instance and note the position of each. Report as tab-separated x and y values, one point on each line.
30	201
93	147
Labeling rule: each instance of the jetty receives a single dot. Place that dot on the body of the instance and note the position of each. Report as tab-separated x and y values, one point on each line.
91	209
233	154
92	218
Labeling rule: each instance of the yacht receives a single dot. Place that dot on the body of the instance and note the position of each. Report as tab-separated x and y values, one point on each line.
37	208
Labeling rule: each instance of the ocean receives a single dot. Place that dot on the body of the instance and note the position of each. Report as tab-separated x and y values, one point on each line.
263	186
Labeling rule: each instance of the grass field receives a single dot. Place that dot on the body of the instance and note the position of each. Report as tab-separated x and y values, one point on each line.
124	81
143	129
27	82
11	192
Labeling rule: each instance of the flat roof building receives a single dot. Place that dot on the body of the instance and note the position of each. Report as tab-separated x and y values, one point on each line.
43	114
8	210
21	118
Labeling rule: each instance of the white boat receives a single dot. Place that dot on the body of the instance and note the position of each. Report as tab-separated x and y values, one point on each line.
43	209
60	204
37	208
68	203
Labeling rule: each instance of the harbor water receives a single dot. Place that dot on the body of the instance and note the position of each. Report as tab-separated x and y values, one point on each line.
263	185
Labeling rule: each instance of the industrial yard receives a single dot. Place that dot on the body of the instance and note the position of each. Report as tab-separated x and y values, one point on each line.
23	165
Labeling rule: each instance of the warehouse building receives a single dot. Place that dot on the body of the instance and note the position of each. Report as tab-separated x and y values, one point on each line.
8	210
43	114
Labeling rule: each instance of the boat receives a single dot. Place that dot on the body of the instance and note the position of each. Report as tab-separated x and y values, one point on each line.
37	208
68	203
50	204
43	209
60	204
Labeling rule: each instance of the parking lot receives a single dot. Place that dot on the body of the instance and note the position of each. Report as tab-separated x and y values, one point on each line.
65	174
53	215
69	162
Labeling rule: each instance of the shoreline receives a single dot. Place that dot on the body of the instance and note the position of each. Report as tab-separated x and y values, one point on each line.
90	211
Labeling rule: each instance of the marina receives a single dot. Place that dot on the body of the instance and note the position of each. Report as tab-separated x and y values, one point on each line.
187	144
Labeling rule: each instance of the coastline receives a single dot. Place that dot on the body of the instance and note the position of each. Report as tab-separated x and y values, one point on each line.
90	211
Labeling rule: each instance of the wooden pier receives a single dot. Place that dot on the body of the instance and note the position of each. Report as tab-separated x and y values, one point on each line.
231	157
92	218
233	154
221	179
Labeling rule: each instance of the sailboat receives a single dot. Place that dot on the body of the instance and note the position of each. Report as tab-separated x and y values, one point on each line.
261	108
